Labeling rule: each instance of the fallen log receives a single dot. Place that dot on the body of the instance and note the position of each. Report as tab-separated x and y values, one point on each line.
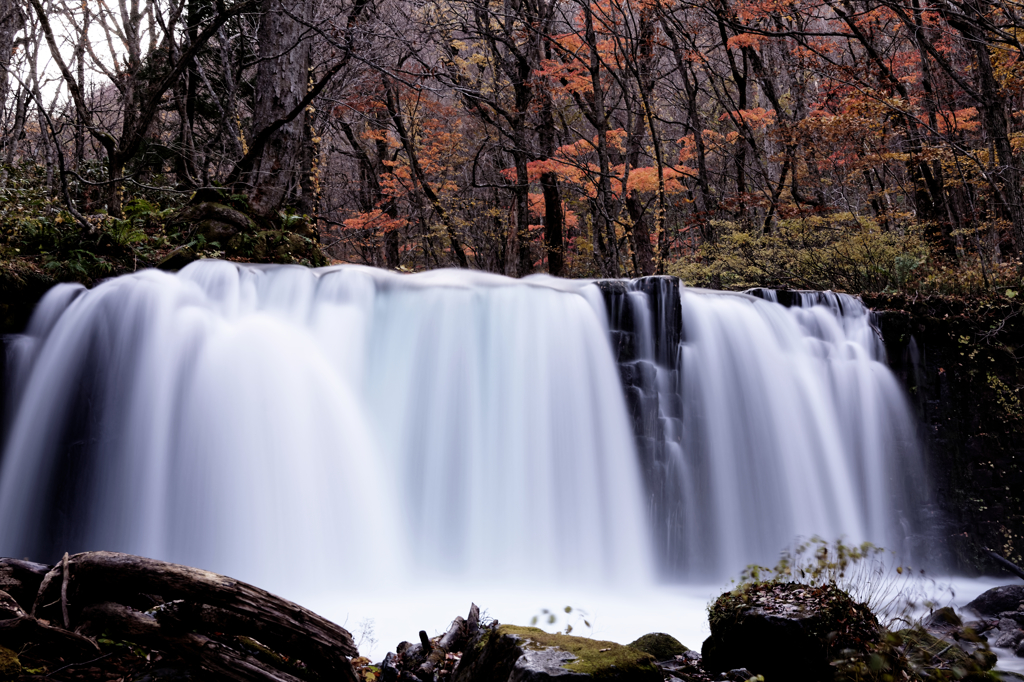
205	654
1006	563
232	606
21	580
9	608
18	633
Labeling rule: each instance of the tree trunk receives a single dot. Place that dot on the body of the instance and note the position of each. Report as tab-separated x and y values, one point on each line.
282	79
11	21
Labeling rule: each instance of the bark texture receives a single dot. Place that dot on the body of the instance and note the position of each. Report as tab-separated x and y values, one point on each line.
282	81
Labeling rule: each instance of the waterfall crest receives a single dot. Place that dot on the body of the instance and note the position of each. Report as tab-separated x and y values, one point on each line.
266	421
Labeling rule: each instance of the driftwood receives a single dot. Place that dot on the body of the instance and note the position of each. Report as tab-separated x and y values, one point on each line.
21	580
426	659
222	628
16	633
1006	563
9	608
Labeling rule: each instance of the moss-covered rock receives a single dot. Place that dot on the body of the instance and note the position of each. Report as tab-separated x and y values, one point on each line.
277	246
10	666
787	631
509	652
927	650
663	647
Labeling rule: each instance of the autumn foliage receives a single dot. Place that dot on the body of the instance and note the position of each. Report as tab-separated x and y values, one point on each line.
857	144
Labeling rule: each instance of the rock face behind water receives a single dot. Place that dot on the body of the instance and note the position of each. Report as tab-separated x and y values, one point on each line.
786	631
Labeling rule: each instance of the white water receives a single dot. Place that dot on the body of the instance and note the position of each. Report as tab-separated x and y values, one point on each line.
794	427
447	435
269	422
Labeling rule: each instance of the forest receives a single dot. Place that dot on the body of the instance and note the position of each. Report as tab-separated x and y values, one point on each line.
859	145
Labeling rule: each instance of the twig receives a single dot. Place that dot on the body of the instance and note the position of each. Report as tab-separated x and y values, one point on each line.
72	665
64	590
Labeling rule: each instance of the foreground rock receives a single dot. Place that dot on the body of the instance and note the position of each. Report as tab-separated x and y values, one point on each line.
1001	617
998	600
660	645
521	654
103	615
787	631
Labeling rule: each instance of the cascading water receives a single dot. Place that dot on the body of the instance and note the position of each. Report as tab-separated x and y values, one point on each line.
255	421
265	422
758	423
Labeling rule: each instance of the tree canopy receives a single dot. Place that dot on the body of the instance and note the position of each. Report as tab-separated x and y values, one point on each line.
855	144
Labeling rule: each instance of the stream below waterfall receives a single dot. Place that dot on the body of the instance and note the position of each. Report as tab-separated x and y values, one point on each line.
391	447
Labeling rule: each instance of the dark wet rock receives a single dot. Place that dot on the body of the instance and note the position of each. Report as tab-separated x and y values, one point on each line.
660	645
522	654
623	346
1015	616
786	631
997	600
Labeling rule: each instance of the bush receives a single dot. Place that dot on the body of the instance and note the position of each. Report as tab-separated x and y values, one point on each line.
838	251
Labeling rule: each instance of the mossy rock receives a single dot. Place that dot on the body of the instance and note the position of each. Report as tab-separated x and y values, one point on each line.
924	648
214	221
525	653
787	631
276	246
663	647
10	666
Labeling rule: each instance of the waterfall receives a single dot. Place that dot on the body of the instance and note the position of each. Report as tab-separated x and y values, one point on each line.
267	421
758	423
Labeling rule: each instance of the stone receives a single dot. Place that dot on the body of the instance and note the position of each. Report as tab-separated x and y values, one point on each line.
214	221
1015	616
786	631
10	666
509	653
998	599
663	647
1008	640
943	618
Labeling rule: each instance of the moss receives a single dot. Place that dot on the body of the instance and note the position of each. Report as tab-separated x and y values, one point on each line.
593	657
663	647
10	666
927	649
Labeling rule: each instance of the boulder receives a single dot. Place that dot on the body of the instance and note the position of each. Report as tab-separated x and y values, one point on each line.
214	221
786	631
998	599
663	647
943	619
10	666
525	654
